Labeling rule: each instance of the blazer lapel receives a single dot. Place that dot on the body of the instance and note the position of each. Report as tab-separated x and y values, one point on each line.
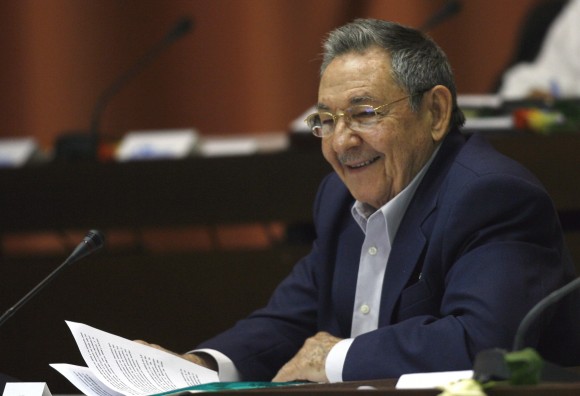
405	254
411	240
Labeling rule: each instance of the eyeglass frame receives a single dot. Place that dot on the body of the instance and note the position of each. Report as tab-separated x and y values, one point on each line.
348	118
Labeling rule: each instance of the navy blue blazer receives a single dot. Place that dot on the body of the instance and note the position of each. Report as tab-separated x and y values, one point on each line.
479	245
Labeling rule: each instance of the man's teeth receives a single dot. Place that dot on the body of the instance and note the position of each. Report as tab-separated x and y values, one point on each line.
364	163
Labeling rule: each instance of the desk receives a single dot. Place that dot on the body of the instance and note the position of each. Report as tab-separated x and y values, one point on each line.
387	387
257	188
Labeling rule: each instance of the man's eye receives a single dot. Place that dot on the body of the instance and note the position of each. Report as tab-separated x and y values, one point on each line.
362	114
326	119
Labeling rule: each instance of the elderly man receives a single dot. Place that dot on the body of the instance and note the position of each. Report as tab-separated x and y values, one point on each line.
430	247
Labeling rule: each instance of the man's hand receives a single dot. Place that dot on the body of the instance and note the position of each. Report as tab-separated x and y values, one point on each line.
201	359
308	364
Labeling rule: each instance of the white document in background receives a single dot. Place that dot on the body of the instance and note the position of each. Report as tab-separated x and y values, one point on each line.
163	144
26	388
431	380
120	366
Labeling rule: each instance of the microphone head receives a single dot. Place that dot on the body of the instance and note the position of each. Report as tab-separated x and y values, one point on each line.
453	7
183	26
449	9
94	239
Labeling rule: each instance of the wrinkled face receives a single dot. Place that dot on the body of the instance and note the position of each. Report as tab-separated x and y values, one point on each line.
375	165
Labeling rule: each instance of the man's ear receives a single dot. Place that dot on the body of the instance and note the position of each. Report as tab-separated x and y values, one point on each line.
440	105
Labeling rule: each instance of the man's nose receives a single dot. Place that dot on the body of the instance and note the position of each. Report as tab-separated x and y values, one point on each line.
343	136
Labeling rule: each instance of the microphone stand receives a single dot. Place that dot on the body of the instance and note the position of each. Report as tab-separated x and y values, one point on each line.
85	145
33	292
91	243
491	364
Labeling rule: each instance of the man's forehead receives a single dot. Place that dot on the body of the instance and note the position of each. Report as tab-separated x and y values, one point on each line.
373	90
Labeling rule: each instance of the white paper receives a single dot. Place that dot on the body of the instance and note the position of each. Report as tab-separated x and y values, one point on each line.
431	380
479	101
221	146
228	146
84	380
126	367
16	152
26	389
151	145
505	122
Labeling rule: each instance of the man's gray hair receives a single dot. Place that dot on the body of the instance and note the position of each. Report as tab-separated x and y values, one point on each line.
417	62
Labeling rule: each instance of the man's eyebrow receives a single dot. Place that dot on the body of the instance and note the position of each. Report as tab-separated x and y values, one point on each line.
361	99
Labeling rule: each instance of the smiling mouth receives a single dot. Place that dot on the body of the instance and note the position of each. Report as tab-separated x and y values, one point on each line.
363	164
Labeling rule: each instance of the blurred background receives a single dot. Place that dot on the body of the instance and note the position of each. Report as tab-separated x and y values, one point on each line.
246	67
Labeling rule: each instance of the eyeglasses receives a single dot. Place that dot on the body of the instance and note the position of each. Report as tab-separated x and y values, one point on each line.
360	118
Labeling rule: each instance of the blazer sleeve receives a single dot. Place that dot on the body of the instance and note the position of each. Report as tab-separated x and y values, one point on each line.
264	341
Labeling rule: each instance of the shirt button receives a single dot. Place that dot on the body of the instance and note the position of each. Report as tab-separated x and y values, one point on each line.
373	250
365	309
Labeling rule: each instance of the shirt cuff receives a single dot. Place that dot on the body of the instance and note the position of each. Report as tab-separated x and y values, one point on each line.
227	371
335	360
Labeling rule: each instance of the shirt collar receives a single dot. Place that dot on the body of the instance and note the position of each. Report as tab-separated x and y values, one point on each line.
393	210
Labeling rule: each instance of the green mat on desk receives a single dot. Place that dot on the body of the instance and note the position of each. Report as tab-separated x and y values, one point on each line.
220	386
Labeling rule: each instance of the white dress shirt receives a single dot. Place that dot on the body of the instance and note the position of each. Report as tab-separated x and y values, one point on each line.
380	228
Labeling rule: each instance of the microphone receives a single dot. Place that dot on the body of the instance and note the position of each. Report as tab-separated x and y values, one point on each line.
83	146
449	9
490	364
538	309
182	27
92	242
